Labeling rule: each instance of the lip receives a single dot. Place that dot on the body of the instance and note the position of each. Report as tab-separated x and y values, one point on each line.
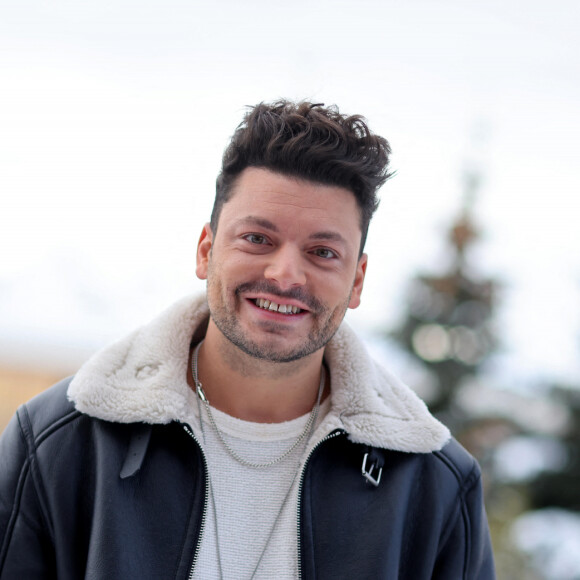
289	320
274	315
278	300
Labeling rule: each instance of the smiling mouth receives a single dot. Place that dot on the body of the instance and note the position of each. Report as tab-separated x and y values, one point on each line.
275	307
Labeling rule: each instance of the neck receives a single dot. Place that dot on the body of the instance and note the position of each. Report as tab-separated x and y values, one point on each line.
255	390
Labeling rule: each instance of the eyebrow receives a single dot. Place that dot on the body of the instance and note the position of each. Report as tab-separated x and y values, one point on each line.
258	221
268	225
329	236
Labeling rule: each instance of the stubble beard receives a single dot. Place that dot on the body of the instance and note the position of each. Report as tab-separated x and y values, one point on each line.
223	314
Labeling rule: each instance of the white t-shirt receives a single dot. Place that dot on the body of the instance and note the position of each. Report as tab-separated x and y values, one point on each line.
256	508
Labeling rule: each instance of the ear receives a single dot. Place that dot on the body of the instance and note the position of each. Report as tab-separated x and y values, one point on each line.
203	252
359	278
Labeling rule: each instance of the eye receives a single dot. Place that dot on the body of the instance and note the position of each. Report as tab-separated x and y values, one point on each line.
325	253
256	239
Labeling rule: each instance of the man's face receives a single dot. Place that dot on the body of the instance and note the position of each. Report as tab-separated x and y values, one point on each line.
283	266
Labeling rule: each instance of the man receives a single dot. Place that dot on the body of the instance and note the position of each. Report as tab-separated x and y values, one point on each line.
248	434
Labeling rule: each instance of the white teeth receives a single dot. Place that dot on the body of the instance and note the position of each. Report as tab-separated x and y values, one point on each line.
282	308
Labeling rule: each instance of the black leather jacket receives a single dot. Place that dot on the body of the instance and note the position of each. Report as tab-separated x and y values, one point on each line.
81	497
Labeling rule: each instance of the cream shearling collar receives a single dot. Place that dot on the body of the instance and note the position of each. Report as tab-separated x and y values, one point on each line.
141	378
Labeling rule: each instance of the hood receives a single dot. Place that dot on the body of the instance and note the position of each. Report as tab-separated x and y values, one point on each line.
141	378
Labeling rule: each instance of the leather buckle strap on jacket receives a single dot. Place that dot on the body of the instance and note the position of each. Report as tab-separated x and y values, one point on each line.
372	466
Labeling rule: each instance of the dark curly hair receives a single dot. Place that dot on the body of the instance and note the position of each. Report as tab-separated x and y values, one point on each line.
311	142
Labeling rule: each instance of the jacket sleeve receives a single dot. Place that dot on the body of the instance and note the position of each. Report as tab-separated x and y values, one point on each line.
466	548
25	546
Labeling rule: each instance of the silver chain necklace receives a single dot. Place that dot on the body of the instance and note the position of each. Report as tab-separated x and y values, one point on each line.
307	431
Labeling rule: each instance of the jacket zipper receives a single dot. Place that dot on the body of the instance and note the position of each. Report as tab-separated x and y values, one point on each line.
205	502
331	435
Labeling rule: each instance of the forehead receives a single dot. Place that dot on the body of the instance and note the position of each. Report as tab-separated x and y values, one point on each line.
259	191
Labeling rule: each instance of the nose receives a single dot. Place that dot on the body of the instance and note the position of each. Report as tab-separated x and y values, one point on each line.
286	268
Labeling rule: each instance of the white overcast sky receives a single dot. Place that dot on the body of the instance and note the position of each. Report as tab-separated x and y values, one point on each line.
114	115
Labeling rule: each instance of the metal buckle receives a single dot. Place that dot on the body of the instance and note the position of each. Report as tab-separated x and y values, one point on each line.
368	474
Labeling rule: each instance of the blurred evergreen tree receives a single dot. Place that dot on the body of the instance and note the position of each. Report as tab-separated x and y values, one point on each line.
562	488
447	325
448	330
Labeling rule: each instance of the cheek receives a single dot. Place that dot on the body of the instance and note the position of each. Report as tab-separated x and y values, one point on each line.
331	291
238	269
225	277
